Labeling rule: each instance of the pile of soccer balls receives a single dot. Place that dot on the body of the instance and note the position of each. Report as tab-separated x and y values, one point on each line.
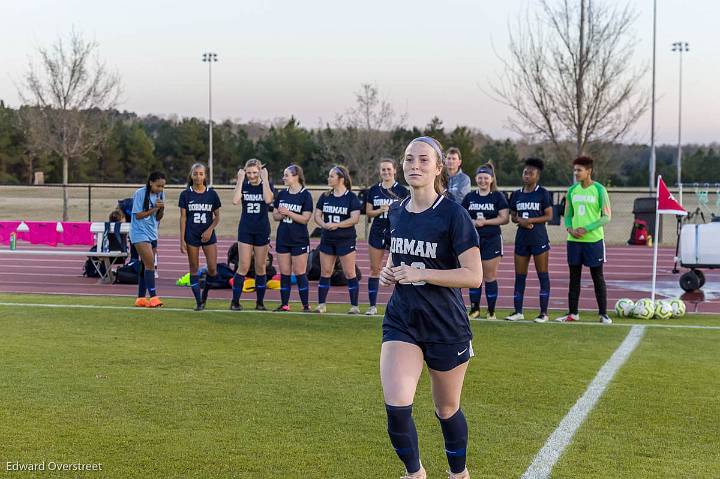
647	309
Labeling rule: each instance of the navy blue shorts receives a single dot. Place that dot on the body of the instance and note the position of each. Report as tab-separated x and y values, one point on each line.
531	250
438	356
153	243
491	247
293	250
377	239
254	239
586	254
194	240
337	248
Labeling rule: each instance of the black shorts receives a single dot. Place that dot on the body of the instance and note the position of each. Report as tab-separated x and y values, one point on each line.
254	239
586	254
531	250
153	243
293	250
196	241
337	247
491	247
437	356
376	239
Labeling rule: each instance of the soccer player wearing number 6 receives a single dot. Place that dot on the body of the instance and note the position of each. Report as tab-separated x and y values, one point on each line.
530	209
377	204
255	192
488	209
587	210
199	215
337	212
433	253
293	209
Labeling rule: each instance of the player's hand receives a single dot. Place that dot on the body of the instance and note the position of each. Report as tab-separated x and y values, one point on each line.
283	211
183	246
264	174
573	233
580	232
207	234
331	226
159	204
405	274
385	208
480	222
240	176
387	277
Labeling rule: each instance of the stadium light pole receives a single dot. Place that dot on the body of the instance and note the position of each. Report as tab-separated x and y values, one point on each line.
652	105
680	47
210	58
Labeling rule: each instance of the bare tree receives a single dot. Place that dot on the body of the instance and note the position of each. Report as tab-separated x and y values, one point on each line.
362	136
569	77
68	94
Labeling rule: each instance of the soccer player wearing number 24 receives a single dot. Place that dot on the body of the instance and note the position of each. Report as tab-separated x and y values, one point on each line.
434	251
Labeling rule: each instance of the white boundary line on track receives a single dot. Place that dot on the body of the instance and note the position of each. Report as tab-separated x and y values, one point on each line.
548	456
342	315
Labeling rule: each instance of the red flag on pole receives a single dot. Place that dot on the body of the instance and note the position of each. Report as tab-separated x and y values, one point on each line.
667	204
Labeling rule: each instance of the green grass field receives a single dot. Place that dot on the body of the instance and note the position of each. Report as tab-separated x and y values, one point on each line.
173	393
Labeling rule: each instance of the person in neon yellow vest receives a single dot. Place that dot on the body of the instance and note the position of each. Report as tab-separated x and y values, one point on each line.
587	210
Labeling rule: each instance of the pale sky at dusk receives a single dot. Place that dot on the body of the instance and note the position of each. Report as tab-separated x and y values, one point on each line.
281	58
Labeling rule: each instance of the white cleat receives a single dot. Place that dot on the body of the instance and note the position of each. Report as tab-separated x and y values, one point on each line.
421	474
321	308
515	317
568	318
459	475
605	319
354	310
372	311
543	318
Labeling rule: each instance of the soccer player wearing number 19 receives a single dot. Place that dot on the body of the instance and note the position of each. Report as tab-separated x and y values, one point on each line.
337	212
199	215
434	251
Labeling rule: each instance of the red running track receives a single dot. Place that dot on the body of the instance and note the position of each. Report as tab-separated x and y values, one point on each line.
628	274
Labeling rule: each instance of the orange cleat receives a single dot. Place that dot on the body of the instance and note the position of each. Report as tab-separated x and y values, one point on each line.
155	302
142	303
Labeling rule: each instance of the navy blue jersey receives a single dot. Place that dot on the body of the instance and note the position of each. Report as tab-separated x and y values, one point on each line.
200	207
291	233
337	209
531	205
487	207
432	239
255	210
378	196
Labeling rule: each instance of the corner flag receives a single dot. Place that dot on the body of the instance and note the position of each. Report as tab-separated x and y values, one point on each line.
666	202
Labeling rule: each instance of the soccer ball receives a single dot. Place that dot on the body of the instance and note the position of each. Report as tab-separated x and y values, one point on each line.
644	309
663	310
678	307
624	307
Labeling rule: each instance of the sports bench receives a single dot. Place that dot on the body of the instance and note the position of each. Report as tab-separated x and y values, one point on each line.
98	257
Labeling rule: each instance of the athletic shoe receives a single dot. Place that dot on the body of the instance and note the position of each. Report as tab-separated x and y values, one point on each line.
156	274
321	308
306	309
155	302
260	307
200	307
542	318
142	303
282	308
568	318
474	313
459	475
354	310
235	307
421	474
605	319
372	310
515	317
491	317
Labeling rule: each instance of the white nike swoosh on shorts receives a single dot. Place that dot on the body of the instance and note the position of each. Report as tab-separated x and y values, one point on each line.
462	352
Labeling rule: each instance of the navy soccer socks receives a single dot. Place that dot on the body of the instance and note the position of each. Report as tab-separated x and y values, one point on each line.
260	287
149	277
195	287
455	432
544	291
491	293
285	285
475	295
238	281
353	289
302	285
403	435
323	289
373	286
519	295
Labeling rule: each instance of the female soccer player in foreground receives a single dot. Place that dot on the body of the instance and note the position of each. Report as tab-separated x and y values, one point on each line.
531	208
377	204
337	212
433	253
147	211
586	211
255	192
293	209
488	209
199	215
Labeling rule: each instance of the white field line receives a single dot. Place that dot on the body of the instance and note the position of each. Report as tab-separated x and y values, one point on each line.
550	453
344	315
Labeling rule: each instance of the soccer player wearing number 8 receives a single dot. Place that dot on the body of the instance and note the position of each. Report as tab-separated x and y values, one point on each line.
199	215
530	209
433	253
587	210
377	203
254	192
488	209
293	209
337	212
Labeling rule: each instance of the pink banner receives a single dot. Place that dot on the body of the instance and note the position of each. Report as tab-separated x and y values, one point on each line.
45	232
